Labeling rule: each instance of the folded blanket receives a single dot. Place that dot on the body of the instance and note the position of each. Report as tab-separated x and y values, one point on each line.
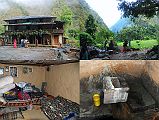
5	80
7	88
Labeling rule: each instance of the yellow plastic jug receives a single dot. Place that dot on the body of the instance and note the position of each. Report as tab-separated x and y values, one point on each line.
96	99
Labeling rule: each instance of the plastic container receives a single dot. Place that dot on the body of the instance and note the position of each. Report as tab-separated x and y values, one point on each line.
96	99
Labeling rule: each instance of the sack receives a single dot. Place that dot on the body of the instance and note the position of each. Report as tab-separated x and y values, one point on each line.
23	96
27	88
5	80
7	88
36	94
21	84
11	95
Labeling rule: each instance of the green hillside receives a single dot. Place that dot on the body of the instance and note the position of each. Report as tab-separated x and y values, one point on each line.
75	12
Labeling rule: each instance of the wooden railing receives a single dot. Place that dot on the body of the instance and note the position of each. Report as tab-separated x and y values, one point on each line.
58	30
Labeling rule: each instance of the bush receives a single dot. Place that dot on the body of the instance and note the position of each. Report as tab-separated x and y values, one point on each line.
86	39
99	46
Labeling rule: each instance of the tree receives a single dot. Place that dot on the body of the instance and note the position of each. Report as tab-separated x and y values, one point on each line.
103	34
131	33
1	29
73	33
66	15
85	39
90	26
63	12
148	8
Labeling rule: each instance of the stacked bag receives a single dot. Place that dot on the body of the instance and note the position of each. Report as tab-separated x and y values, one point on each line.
6	84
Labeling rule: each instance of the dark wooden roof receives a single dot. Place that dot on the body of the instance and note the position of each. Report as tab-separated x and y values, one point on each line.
30	23
29	17
22	24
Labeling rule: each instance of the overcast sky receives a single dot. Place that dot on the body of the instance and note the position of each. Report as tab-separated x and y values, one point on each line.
107	9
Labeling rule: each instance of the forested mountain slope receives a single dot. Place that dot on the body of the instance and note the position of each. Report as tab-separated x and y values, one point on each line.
78	9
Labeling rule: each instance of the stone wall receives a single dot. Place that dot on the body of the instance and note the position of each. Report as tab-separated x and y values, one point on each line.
150	78
88	68
146	72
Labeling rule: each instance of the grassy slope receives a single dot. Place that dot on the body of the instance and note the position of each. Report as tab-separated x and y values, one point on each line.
144	44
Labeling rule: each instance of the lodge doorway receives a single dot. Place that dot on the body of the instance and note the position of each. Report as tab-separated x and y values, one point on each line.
56	39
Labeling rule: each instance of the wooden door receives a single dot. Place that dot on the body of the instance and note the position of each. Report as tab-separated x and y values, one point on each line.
56	39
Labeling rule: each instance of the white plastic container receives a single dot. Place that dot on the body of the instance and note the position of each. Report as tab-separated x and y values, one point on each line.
113	91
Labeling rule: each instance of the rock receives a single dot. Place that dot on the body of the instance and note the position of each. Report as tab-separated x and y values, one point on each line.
152	53
134	55
105	58
154	57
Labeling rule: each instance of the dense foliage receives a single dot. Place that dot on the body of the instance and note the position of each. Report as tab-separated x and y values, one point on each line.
85	39
95	34
90	26
142	29
149	8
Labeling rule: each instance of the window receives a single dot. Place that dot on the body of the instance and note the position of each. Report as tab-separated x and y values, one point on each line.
27	70
7	69
14	71
1	71
21	28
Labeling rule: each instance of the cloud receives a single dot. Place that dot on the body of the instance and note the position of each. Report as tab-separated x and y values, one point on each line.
36	7
4	5
34	2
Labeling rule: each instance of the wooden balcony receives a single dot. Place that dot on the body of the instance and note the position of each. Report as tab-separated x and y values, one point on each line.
58	31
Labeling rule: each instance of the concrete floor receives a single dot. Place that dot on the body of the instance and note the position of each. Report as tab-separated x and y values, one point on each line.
39	53
33	115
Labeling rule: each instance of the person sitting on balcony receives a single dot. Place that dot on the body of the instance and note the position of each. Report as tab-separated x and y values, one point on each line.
22	43
26	42
48	42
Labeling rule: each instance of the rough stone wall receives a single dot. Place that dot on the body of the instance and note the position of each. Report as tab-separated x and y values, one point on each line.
152	69
146	71
150	78
88	68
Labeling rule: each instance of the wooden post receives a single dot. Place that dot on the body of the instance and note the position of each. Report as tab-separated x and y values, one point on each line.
35	39
52	41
